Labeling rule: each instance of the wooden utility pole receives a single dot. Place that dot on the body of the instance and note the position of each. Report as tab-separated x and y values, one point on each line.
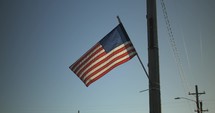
201	108
153	58
197	98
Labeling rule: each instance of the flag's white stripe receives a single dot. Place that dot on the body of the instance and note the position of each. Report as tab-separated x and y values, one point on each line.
108	67
103	57
87	56
123	45
84	64
101	65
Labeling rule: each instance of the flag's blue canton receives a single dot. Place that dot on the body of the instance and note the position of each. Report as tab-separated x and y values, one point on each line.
113	39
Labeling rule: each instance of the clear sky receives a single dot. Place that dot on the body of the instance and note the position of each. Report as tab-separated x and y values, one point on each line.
40	39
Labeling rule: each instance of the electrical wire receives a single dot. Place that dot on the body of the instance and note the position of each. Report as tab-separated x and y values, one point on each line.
173	45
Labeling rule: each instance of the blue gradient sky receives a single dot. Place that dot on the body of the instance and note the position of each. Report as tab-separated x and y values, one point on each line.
40	39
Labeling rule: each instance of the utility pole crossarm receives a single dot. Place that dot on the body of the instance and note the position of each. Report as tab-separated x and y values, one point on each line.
198	93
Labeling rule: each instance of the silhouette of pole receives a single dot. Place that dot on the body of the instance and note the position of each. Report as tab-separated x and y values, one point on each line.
197	98
201	108
153	58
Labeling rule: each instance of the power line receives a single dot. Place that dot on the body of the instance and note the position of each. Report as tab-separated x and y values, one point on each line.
173	45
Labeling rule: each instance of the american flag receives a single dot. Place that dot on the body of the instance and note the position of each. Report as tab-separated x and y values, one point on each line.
111	51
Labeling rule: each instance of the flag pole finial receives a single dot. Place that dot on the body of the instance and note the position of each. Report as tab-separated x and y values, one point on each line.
118	19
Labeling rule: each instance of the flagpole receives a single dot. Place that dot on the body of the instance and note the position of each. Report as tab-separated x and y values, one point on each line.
143	66
118	19
137	54
153	58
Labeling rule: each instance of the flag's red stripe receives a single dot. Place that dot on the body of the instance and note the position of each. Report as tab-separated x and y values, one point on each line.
89	63
108	64
90	57
96	58
83	56
100	63
81	68
86	55
104	60
105	72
